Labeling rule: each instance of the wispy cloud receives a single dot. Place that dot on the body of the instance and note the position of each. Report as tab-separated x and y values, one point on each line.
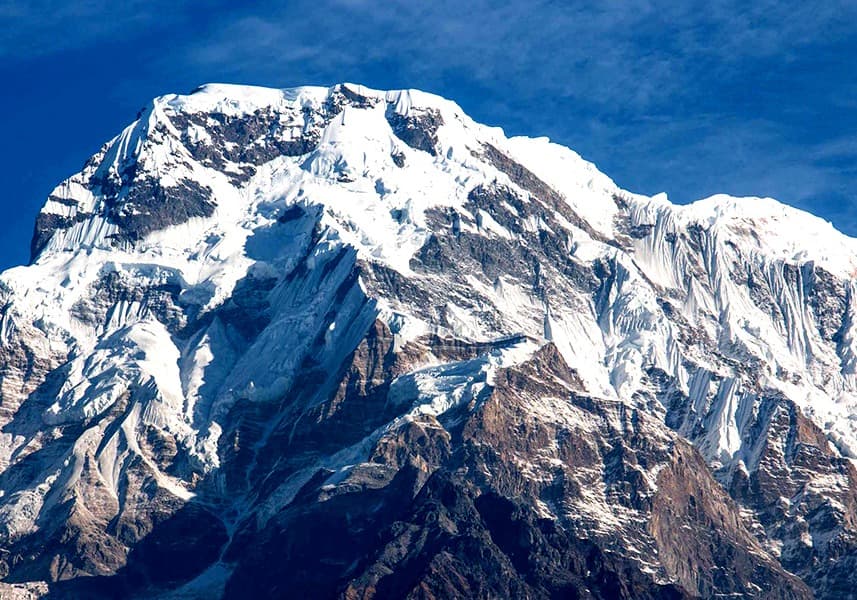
35	28
627	53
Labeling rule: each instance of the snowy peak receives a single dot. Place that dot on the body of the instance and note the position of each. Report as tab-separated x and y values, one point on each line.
156	173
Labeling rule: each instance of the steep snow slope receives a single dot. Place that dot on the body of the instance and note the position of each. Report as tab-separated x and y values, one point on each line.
249	294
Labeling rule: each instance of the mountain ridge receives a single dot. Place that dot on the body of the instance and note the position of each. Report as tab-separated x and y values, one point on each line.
255	311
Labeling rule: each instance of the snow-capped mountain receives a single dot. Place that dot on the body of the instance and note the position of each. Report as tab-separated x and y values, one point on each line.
336	342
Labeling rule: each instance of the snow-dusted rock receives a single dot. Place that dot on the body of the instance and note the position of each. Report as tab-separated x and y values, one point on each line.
261	320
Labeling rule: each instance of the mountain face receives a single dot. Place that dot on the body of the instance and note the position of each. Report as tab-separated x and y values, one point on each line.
341	343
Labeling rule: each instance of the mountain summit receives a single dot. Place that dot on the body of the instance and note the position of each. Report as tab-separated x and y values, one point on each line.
338	342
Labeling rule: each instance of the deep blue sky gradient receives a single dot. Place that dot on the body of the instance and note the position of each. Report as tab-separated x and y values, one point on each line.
690	98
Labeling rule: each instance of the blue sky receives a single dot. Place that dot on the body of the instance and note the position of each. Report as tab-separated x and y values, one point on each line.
690	98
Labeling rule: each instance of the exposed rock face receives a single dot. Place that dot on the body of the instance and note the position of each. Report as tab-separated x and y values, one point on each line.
443	492
418	128
350	344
